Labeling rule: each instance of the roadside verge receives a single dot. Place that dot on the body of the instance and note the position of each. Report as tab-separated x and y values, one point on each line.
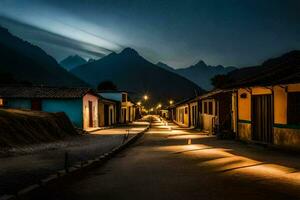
77	168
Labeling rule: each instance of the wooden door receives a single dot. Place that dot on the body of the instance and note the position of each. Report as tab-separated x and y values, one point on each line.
106	113
262	118
90	114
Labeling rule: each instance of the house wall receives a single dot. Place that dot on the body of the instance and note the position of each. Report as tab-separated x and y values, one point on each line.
85	107
182	115
71	107
18	103
284	134
207	120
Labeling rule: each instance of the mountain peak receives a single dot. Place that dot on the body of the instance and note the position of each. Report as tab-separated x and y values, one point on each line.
129	51
72	61
201	63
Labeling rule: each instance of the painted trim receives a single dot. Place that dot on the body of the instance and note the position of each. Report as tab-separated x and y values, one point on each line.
244	121
289	126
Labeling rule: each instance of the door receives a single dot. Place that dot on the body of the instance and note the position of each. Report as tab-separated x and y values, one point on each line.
36	104
262	118
91	114
129	114
124	115
106	113
111	116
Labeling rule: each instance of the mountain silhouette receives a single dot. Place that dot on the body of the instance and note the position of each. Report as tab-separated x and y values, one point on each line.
28	63
200	73
72	61
131	72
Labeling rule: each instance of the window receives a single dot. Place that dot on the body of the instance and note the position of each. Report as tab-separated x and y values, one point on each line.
185	110
210	107
124	97
293	108
205	107
216	108
1	102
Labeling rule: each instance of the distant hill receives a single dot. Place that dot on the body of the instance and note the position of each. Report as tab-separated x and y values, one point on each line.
131	72
200	73
285	68
72	61
25	62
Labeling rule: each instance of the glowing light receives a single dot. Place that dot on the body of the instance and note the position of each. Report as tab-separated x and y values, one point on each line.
146	97
171	102
139	103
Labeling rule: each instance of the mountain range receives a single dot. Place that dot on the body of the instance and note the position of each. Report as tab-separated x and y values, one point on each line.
200	73
130	71
72	61
25	62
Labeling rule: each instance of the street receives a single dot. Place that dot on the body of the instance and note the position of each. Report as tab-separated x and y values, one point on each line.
169	162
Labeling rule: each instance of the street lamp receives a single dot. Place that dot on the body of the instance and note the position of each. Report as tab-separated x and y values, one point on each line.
159	106
171	102
139	103
146	97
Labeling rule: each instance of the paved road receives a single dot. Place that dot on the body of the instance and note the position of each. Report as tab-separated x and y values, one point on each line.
39	161
182	164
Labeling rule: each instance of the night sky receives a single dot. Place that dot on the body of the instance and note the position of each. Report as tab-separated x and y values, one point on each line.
179	33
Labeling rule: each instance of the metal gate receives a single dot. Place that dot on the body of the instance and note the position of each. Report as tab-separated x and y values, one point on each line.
262	118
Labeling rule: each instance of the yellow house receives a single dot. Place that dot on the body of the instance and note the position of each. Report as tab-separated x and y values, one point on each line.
268	114
185	113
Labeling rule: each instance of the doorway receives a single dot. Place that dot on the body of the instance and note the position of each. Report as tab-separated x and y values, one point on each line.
91	114
262	118
106	122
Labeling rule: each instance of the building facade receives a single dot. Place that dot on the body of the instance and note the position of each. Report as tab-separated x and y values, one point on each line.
79	104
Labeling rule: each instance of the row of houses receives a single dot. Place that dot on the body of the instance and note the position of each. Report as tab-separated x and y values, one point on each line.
86	108
265	112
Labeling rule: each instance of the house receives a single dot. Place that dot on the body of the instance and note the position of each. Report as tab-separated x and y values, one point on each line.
268	113
79	104
266	105
107	111
127	110
185	113
215	111
164	113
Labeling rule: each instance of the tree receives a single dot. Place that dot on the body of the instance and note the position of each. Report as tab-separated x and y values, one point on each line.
106	85
220	81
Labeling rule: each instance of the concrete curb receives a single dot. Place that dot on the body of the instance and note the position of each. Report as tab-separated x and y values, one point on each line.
74	169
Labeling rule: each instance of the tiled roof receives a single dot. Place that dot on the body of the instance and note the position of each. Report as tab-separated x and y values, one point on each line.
43	92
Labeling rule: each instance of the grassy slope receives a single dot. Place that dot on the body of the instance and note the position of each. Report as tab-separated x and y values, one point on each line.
22	127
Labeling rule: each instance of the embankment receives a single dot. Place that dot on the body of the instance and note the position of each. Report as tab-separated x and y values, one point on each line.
24	127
